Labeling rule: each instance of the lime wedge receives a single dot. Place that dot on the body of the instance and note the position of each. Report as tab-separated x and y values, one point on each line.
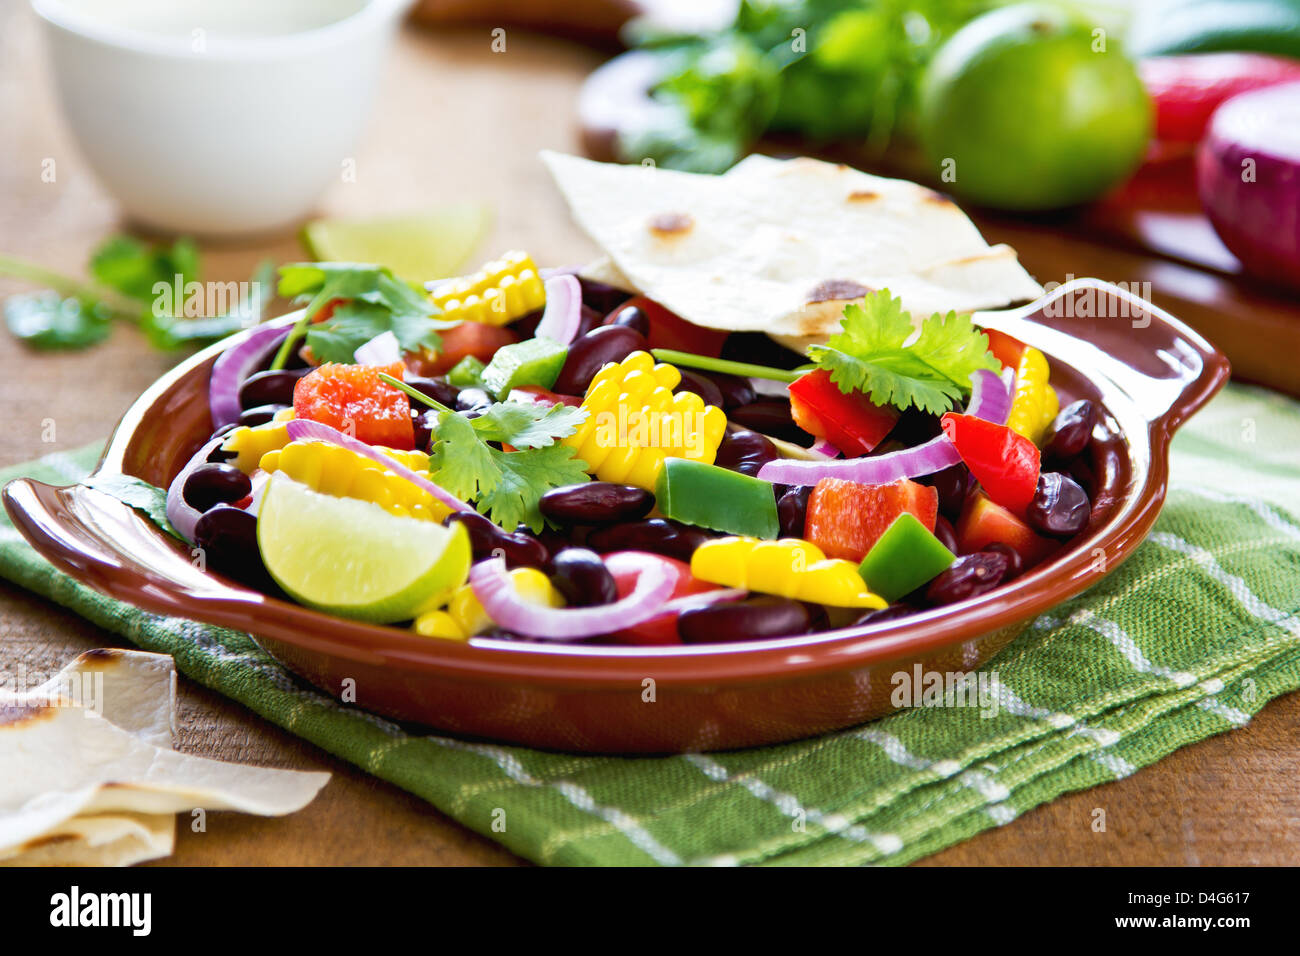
418	247
353	558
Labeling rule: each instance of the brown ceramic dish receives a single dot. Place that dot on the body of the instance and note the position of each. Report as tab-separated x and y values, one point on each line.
1146	369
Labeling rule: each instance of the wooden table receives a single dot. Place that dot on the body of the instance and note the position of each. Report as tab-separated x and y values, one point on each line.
457	120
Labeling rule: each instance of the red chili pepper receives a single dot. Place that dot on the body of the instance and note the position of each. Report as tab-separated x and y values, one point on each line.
851	422
1005	463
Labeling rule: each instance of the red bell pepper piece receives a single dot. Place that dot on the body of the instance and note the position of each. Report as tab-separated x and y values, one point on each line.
469	338
846	518
1004	348
662	629
982	522
850	421
1003	462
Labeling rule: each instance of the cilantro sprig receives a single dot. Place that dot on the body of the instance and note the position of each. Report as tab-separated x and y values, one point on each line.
375	301
880	352
504	485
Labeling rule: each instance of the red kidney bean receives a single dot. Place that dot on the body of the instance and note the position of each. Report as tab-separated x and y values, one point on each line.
588	354
701	386
228	539
792	510
914	427
1070	432
735	390
473	402
214	484
943	530
880	615
596	503
260	415
1059	506
581	576
219	453
770	416
600	296
1015	563
526	325
437	388
952	485
270	388
631	316
657	535
424	424
487	540
748	620
744	451
968	576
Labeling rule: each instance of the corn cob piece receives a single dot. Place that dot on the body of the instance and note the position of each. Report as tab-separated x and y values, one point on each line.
1035	403
789	568
500	292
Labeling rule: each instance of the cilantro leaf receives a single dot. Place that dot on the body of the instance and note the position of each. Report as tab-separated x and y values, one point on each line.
878	351
376	302
47	320
507	485
525	425
139	494
133	268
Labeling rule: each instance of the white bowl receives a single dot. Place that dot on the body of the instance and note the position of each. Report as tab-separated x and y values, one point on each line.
218	117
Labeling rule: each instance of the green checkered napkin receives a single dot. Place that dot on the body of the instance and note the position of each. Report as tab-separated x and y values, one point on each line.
1193	635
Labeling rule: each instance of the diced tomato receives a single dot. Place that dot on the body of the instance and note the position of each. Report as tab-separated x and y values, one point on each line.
1004	348
982	522
1003	462
353	399
1187	89
469	338
846	518
662	629
850	421
537	395
327	310
668	330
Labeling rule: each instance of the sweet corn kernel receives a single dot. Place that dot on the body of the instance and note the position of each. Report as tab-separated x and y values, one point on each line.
439	624
250	443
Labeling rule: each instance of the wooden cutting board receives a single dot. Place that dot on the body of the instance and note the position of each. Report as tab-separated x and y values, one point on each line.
1151	236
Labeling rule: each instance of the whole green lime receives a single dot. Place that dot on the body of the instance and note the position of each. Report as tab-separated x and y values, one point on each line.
1032	107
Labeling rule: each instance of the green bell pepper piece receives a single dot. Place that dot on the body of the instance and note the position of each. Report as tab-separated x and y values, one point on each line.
467	373
906	556
712	497
534	361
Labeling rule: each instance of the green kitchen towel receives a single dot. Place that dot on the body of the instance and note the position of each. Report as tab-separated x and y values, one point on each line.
1192	636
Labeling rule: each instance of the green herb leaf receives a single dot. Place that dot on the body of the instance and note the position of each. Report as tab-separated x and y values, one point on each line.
525	425
133	268
47	320
878	351
525	477
139	494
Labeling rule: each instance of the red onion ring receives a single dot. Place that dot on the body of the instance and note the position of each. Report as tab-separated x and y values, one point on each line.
301	429
233	366
182	515
655	581
563	315
990	399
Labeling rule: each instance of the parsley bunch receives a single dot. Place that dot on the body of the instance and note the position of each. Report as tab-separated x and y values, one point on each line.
878	351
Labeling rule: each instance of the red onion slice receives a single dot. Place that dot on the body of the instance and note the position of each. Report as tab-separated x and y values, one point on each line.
233	366
563	315
301	429
655	581
990	399
825	449
182	515
383	349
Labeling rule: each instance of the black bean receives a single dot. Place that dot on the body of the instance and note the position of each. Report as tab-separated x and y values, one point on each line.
744	451
792	511
968	576
631	316
701	386
260	415
914	427
215	483
952	485
601	297
227	538
218	453
596	502
1070	432
657	535
437	388
1059	506
471	399
880	615
771	416
1015	563
588	354
487	540
424	423
748	620
270	388
943	530
581	576
735	390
